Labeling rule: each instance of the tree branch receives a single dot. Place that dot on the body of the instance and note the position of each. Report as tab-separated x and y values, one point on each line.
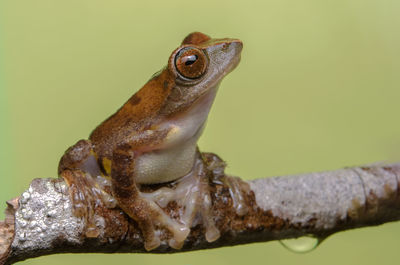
41	221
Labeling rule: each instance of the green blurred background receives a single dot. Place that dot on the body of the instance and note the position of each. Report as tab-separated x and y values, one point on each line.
318	88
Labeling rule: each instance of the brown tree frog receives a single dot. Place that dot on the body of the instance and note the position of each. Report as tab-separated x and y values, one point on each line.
152	139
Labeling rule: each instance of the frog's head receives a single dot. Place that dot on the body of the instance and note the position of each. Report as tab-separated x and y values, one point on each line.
198	66
185	88
201	59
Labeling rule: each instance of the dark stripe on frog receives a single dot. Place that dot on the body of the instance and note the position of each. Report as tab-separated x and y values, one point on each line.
165	85
134	100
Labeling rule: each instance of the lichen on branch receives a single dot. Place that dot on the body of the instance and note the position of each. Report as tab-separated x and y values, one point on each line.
319	204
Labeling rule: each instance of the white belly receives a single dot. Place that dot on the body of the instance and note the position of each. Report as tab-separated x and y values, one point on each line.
165	165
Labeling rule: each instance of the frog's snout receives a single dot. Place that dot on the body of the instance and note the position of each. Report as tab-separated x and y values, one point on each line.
231	50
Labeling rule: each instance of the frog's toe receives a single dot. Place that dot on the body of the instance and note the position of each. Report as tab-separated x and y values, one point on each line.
179	231
161	196
175	244
212	233
152	243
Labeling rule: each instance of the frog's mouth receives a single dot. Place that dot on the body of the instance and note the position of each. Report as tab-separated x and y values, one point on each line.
235	61
231	62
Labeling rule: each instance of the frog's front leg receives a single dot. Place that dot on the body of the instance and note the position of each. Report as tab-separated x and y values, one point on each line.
141	209
192	194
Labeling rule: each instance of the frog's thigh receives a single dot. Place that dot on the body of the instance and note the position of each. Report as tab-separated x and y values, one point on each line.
80	156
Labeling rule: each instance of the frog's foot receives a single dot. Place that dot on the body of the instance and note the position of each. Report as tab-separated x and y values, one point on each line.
148	215
235	185
86	195
191	193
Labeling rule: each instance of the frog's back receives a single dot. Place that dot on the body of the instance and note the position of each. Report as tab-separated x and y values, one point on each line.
136	115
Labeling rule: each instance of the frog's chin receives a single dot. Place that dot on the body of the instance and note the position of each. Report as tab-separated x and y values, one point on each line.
194	117
198	109
206	99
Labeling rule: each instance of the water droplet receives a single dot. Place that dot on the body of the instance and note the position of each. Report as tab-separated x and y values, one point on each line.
302	244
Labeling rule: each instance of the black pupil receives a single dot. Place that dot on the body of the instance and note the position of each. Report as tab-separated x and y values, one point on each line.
190	59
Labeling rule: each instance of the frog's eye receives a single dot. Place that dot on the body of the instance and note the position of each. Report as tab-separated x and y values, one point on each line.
191	62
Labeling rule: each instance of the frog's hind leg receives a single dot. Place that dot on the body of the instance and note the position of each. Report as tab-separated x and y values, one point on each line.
88	190
80	156
144	211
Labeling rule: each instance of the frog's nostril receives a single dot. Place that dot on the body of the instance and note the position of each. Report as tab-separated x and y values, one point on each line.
237	44
226	46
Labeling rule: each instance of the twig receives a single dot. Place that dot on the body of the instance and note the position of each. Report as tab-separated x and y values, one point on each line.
317	204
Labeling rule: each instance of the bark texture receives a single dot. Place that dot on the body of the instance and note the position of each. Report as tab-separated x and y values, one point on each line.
41	221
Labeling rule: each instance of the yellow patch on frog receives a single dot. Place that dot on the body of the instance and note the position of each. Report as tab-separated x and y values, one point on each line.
107	165
173	134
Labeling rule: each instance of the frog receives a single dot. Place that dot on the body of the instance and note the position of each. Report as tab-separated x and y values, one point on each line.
152	139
